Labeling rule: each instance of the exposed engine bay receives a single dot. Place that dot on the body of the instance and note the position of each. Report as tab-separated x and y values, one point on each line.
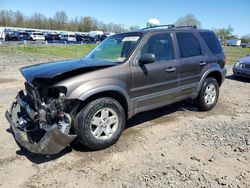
38	120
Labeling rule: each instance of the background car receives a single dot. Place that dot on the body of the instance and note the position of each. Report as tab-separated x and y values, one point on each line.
79	37
68	37
8	35
37	36
87	38
242	67
51	36
20	35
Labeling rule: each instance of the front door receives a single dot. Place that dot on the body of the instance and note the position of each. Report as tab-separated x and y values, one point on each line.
154	83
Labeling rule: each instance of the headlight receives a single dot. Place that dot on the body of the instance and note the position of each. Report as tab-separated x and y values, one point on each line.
237	64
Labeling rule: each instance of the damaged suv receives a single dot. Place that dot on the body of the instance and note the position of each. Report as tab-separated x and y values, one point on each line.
91	98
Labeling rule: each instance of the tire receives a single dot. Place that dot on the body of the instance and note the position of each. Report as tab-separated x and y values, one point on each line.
207	99
100	123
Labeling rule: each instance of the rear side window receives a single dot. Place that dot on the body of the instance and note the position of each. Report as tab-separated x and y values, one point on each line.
188	44
212	42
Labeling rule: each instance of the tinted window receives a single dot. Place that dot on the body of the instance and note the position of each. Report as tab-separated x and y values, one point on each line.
161	46
188	44
212	42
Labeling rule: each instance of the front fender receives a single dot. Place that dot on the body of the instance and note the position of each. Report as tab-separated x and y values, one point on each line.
91	88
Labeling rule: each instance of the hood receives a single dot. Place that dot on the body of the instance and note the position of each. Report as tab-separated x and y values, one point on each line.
60	68
245	60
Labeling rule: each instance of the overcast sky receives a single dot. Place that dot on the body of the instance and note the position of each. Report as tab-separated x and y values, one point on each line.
211	13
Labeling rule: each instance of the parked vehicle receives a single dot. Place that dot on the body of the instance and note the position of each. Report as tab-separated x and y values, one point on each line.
242	67
91	98
37	36
233	42
68	37
79	37
100	37
95	33
87	38
9	35
52	36
20	35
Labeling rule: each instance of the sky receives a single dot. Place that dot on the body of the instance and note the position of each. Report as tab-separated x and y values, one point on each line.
211	13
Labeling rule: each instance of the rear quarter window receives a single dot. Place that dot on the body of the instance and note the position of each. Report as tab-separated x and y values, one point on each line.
212	42
189	45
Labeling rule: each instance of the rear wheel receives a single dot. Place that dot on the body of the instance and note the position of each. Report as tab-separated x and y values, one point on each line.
208	95
100	123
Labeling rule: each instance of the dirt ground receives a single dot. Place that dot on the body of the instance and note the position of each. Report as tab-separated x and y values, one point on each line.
175	146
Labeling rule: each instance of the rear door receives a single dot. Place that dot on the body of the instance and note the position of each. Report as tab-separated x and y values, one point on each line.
153	83
191	60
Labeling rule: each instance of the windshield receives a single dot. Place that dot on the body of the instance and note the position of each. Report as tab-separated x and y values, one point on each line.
116	48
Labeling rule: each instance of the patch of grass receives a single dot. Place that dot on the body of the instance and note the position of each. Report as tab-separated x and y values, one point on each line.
65	51
76	51
233	54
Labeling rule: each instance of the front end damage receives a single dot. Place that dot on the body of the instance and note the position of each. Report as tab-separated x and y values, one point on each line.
38	120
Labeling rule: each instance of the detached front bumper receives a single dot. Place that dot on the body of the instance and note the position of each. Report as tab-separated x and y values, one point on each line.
52	142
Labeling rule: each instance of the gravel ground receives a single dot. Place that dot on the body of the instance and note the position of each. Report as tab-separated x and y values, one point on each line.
175	146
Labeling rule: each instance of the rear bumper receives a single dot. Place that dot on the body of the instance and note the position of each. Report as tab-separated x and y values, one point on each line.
51	143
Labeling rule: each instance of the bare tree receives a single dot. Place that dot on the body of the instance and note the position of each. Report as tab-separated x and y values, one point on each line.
60	19
134	27
188	20
19	19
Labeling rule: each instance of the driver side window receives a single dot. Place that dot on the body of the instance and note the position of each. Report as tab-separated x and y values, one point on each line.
161	46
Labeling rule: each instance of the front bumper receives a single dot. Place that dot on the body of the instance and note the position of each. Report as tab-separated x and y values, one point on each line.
241	72
51	143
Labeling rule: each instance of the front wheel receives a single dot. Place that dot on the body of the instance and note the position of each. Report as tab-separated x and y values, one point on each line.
208	95
100	123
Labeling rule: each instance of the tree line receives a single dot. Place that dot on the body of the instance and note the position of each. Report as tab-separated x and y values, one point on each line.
60	21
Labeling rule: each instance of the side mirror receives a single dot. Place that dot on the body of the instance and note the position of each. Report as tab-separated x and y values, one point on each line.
147	58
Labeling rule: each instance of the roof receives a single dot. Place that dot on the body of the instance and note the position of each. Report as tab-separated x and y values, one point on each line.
170	28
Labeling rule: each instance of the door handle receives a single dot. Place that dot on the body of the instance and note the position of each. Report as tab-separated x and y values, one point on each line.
202	63
170	69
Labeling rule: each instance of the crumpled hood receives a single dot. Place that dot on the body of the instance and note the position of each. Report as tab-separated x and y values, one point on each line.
53	69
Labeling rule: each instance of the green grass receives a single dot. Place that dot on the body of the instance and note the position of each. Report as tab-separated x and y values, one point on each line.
233	54
76	51
63	51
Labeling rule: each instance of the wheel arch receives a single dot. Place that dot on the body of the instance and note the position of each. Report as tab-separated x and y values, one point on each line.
115	93
214	73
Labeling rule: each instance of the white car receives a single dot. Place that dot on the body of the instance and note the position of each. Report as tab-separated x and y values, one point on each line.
68	37
37	36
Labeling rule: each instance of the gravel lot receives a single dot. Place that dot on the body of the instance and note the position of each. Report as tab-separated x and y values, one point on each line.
175	146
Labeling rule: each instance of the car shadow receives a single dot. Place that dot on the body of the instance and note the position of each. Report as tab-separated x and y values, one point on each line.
240	79
136	120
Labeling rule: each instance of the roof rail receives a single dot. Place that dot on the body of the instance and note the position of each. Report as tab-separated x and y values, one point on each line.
159	26
171	26
189	26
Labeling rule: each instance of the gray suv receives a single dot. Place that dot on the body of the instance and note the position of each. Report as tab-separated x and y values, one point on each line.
91	98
